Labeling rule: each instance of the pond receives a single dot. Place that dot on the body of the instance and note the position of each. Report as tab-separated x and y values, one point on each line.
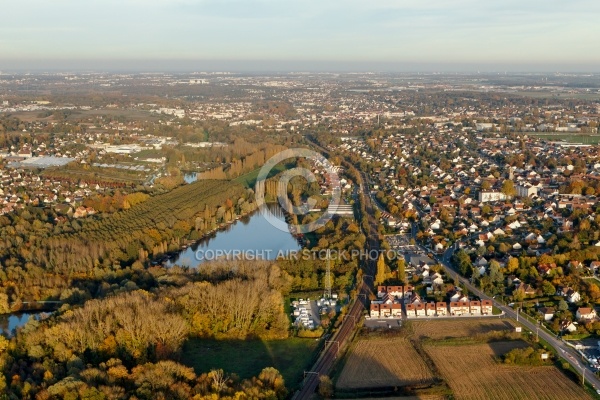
9	322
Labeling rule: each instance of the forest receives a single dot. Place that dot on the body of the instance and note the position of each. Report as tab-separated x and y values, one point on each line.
128	345
43	255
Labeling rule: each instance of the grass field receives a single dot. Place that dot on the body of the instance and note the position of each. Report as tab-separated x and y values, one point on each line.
247	358
384	362
554	95
454	328
567	137
96	174
249	179
473	374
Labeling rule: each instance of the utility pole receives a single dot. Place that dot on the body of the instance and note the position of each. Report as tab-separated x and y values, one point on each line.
338	345
328	277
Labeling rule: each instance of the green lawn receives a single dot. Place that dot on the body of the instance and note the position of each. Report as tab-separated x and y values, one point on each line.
249	179
248	357
568	137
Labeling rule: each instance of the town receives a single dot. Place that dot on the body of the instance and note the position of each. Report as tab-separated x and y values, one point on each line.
478	195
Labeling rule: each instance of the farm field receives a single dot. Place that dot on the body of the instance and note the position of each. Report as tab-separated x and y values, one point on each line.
421	397
473	374
382	362
459	328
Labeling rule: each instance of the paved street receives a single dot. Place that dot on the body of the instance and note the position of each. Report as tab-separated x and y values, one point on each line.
570	354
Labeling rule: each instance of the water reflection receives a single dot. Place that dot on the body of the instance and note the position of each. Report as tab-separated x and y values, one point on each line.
190	177
10	322
252	234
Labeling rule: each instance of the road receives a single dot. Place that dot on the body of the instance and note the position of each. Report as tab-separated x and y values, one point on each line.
567	352
562	349
332	346
328	356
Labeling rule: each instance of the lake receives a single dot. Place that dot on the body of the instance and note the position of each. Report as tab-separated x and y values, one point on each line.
9	322
253	236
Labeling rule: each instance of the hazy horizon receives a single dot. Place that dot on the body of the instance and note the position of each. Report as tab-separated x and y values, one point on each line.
282	66
268	35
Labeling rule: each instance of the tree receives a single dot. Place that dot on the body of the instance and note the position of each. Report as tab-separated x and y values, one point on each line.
508	188
401	270
563	306
381	273
512	265
519	293
4	306
464	263
548	289
325	387
495	272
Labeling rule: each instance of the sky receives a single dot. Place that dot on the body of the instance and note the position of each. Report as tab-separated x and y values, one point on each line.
298	35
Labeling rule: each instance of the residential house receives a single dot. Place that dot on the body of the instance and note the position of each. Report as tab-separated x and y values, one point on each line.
573	296
375	310
547	313
527	289
454	308
415	299
475	307
585	313
464	305
430	309
568	326
487	307
441	308
385	310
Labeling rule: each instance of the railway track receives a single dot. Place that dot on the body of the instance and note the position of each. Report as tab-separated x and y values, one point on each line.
329	354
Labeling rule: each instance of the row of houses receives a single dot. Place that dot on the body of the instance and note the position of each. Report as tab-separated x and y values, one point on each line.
394	310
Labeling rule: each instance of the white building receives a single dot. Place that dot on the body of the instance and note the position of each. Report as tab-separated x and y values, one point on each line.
491	196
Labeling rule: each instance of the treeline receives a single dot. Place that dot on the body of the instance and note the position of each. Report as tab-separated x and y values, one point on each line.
526	356
42	256
249	302
128	345
115	202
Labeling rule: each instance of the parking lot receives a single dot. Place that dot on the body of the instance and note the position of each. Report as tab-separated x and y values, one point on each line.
590	350
383	323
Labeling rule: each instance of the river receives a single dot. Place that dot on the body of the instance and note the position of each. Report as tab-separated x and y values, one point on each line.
253	236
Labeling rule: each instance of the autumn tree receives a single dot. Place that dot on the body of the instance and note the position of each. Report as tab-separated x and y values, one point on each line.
508	188
381	275
401	270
